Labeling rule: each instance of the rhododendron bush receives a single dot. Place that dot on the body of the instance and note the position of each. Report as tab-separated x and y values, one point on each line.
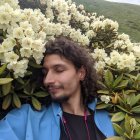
23	34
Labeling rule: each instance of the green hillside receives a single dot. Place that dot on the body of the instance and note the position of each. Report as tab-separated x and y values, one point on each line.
128	16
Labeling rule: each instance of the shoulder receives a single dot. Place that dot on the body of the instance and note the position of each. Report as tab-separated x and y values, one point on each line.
25	119
103	121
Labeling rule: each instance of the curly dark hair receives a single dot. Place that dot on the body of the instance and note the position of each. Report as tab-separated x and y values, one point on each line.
80	57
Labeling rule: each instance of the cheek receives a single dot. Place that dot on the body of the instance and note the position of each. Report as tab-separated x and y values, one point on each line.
70	81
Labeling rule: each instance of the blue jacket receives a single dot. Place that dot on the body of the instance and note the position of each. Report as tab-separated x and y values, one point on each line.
28	124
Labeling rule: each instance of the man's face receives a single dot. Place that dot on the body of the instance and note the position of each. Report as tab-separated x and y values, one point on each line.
61	78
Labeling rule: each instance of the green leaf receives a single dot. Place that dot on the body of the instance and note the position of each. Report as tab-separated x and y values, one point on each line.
137	136
2	68
129	91
41	94
135	100
5	80
136	109
34	65
118	129
6	88
119	116
6	102
137	119
20	80
129	98
127	124
28	73
115	138
122	85
103	91
123	109
127	136
131	76
36	103
102	106
108	78
102	84
118	80
16	101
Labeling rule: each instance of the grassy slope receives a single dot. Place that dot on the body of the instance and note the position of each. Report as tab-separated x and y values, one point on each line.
128	16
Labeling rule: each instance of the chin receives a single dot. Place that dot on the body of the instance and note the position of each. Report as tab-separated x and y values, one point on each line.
60	99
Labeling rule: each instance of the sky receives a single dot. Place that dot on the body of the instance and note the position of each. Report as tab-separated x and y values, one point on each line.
137	2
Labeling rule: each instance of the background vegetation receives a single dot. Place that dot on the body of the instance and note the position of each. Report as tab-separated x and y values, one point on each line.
127	15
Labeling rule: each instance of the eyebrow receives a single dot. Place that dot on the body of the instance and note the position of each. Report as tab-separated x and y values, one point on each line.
56	65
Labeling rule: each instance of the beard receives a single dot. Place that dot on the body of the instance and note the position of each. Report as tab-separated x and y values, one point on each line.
60	99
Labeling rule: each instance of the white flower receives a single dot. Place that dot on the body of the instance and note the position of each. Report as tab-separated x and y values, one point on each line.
25	24
38	46
49	28
86	25
60	6
136	50
49	13
10	57
73	8
79	17
129	45
8	44
57	29
27	42
26	52
5	18
114	57
123	36
96	25
2	49
66	29
127	61
49	3
108	23
99	54
81	7
63	17
38	56
16	15
12	3
83	40
41	35
20	68
29	32
105	98
99	66
18	33
90	34
74	34
3	27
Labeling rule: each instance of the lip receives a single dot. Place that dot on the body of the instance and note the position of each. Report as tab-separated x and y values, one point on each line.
53	90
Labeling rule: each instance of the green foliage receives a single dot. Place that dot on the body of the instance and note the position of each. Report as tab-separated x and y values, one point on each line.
126	15
124	92
15	92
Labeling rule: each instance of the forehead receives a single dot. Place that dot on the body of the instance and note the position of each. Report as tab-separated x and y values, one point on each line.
54	59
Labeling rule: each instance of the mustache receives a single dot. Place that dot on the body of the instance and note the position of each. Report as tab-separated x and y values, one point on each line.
51	86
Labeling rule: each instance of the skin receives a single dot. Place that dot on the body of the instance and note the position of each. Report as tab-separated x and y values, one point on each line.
62	81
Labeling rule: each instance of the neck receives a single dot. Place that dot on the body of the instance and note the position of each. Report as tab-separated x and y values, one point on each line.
74	106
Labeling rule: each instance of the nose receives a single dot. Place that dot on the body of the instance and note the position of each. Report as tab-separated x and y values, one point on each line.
48	79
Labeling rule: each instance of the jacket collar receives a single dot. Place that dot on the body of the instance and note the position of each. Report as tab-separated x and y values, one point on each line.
57	110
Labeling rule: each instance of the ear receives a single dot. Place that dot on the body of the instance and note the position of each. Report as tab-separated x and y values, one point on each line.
82	73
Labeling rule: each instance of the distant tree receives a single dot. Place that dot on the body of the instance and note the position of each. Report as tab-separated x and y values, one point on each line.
32	4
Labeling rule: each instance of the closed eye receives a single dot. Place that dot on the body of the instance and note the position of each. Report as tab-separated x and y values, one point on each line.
44	71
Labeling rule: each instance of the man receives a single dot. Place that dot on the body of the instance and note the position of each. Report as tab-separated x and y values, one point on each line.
71	80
